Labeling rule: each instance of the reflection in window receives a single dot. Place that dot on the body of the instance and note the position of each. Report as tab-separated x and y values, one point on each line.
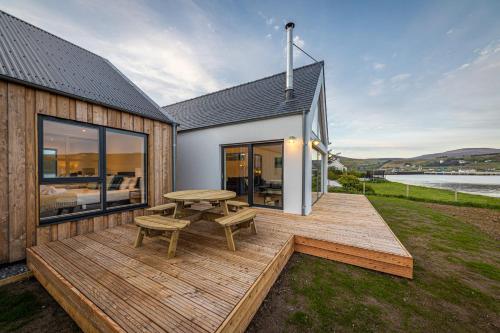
69	150
75	176
316	174
268	174
69	198
125	153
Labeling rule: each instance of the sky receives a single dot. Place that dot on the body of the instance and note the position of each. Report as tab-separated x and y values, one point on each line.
403	78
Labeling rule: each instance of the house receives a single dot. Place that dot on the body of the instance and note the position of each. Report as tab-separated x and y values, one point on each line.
267	140
337	165
76	141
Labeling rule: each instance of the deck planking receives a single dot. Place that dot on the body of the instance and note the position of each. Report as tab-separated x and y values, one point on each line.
106	284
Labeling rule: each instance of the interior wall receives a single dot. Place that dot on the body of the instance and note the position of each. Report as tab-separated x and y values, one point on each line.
19	110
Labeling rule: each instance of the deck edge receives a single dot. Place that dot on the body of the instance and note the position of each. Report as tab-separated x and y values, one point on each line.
247	307
374	260
86	314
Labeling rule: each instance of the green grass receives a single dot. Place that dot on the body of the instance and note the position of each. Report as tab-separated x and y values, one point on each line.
427	194
16	309
455	287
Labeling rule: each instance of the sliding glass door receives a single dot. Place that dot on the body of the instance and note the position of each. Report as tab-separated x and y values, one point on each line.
255	172
268	175
235	171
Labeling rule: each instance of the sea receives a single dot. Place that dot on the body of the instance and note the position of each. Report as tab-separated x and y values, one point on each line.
480	184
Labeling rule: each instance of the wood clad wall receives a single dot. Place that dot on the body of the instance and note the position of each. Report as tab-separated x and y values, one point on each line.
19	107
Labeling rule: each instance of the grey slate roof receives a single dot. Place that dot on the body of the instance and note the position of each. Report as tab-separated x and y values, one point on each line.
35	57
264	98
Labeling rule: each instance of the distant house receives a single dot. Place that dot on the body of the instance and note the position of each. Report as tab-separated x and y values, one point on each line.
337	165
76	141
266	140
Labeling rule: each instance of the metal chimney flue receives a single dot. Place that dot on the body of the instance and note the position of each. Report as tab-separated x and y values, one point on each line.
289	60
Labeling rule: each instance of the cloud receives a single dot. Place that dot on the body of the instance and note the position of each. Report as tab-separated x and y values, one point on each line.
449	32
276	27
376	87
400	77
460	109
269	36
297	40
378	66
169	63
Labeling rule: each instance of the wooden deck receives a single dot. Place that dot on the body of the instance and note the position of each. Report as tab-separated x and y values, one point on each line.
106	284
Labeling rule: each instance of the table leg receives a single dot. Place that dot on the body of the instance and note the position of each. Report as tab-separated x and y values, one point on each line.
225	210
176	209
173	244
229	238
140	236
253	228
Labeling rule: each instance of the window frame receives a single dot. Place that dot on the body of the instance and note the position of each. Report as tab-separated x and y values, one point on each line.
250	145
100	179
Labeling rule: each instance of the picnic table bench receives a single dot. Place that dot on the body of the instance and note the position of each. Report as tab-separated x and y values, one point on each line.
235	222
236	205
155	225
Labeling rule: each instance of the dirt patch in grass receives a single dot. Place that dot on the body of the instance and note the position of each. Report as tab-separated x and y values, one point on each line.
26	307
488	220
456	286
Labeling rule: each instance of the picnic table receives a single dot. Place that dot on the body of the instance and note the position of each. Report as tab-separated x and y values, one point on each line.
220	197
163	222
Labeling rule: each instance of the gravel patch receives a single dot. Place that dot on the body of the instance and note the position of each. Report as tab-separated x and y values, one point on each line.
12	269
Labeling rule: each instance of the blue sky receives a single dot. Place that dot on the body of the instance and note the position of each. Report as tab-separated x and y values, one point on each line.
403	78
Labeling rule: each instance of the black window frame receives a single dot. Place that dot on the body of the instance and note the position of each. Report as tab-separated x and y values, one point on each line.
100	179
250	175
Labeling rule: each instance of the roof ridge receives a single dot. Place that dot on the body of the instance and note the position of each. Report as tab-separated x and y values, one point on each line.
241	84
51	34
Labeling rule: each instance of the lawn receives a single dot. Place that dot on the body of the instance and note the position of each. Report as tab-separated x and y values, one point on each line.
26	307
428	194
456	287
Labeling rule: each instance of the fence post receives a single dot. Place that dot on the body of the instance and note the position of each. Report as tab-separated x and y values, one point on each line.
407	190
363	188
456	195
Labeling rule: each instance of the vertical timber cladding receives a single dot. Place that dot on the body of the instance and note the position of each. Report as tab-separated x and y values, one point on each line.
19	107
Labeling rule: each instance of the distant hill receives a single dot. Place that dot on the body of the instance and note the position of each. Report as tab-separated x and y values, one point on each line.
459	153
480	159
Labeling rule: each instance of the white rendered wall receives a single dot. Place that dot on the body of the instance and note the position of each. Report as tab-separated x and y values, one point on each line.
199	155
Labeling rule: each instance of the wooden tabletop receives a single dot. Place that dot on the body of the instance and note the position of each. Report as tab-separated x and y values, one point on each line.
199	195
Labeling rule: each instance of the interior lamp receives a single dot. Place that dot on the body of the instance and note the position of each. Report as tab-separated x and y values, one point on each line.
315	142
292	139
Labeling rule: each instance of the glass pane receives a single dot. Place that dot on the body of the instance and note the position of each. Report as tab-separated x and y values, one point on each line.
125	171
316	174
236	171
268	175
69	150
68	199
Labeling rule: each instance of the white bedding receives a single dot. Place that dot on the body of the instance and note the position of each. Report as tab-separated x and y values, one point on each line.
87	197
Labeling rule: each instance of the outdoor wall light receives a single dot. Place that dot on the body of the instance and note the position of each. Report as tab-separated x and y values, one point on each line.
292	139
315	142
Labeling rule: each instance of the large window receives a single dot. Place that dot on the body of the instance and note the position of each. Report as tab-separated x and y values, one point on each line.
88	170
